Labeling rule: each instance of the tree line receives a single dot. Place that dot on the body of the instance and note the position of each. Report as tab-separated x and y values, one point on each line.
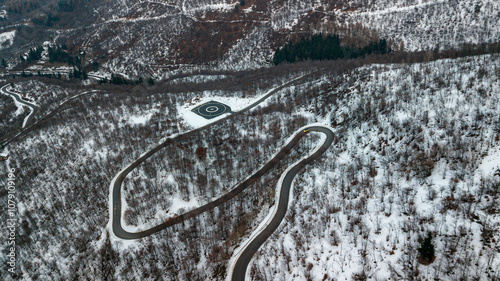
58	54
33	55
320	47
120	80
55	54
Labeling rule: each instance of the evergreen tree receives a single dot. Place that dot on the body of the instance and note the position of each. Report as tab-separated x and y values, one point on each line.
57	54
34	54
151	82
66	5
319	47
118	80
426	249
109	258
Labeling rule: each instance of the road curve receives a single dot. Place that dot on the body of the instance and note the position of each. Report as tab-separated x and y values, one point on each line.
116	183
5	142
239	268
18	98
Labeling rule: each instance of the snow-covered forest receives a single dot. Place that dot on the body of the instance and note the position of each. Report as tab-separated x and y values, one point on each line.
416	152
138	38
409	189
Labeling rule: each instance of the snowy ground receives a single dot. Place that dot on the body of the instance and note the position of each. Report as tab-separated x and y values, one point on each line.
363	211
491	163
7	38
416	152
425	25
195	121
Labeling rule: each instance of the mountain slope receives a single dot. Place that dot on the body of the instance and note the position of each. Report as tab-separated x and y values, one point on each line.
151	38
416	152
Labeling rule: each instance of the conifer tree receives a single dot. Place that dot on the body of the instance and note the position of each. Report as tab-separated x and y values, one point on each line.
426	249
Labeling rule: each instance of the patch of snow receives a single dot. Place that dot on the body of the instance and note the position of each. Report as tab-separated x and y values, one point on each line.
5	152
222	7
490	163
194	120
408	8
402	115
20	108
139	119
6	39
178	204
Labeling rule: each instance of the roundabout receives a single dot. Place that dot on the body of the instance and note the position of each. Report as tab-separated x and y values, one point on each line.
211	109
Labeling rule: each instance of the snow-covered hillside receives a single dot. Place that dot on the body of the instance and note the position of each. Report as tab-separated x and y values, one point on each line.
425	25
415	152
414	155
155	38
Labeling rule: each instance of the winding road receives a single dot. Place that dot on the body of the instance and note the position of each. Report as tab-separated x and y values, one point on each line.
18	98
24	130
237	189
238	269
116	184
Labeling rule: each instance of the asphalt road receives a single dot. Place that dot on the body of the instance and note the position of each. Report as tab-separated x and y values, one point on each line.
247	253
244	257
237	189
116	184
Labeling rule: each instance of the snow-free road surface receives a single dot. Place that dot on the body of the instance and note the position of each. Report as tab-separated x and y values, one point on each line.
116	185
238	271
245	255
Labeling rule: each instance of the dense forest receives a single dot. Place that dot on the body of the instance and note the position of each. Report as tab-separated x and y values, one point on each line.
320	47
58	54
33	55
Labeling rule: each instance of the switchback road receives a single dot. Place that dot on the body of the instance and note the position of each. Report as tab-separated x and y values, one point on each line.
244	256
116	184
18	98
237	189
238	270
24	130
